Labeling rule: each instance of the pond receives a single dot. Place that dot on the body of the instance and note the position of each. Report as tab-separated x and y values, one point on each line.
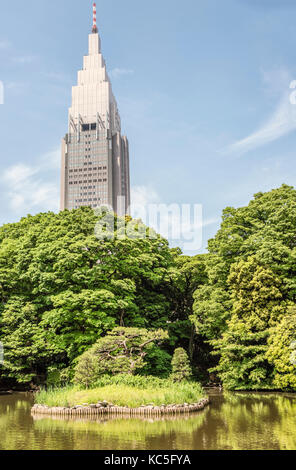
232	421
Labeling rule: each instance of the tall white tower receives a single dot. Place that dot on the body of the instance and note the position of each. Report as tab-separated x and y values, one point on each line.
95	157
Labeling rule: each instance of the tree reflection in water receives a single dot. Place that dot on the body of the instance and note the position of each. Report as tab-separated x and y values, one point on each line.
233	421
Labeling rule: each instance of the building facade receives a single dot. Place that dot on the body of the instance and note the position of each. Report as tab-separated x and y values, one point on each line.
95	156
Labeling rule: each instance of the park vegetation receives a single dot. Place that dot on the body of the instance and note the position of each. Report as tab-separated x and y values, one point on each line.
124	390
76	309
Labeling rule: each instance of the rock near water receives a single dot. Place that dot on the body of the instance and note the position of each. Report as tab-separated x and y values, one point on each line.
103	407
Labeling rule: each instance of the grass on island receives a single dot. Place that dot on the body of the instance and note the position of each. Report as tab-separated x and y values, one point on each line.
124	391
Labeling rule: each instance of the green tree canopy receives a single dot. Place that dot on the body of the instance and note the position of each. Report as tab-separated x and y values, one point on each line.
61	287
281	351
265	228
240	299
256	306
121	351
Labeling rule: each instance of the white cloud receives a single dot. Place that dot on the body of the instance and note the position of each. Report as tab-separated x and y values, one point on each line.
18	173
172	220
144	195
32	188
282	122
276	80
119	72
51	160
211	221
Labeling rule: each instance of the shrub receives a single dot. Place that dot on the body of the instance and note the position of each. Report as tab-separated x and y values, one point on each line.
58	376
181	368
87	370
158	363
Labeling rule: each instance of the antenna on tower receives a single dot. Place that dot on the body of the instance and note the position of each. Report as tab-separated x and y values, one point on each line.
94	28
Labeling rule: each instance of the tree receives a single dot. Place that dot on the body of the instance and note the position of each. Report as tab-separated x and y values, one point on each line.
181	368
61	288
281	351
257	305
186	276
121	351
26	351
87	370
264	229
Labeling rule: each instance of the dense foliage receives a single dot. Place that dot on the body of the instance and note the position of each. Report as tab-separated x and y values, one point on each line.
251	289
123	350
62	288
281	351
181	368
232	310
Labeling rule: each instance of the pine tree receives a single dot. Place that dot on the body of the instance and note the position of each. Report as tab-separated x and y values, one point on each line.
181	368
257	307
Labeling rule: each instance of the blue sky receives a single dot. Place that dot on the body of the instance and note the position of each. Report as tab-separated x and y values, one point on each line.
202	87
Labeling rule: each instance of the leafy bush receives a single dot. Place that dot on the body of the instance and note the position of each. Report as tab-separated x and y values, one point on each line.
181	368
157	363
57	376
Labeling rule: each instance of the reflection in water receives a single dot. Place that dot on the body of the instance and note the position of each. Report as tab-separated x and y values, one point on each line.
233	421
255	421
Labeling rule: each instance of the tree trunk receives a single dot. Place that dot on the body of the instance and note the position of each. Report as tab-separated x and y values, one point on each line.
191	343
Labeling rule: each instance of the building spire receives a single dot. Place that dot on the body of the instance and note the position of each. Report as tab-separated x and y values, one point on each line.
94	28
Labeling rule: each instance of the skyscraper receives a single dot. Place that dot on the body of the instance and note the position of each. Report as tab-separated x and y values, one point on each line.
95	156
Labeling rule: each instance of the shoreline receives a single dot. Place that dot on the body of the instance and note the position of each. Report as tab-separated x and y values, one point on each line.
103	408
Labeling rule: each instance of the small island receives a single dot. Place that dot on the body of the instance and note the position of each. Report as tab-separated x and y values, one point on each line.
100	387
164	397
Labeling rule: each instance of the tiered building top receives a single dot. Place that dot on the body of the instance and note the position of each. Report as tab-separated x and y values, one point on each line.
95	157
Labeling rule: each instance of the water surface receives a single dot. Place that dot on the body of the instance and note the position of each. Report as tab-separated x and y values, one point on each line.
233	421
